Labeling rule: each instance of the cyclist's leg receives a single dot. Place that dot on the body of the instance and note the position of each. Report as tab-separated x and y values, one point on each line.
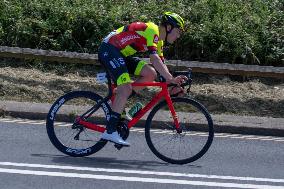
140	68
115	64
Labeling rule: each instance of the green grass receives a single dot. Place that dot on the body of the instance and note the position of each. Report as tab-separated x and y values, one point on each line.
235	31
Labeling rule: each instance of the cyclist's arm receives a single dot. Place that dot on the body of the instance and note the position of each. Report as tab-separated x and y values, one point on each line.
161	67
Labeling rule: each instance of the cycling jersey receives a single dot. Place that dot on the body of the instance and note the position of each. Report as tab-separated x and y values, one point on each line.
116	51
136	37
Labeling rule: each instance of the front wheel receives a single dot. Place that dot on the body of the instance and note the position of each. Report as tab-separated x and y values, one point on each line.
65	134
175	147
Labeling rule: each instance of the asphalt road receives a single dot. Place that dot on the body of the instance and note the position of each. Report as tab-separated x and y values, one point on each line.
28	160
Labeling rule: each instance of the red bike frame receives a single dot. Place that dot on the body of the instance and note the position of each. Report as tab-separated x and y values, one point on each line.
163	93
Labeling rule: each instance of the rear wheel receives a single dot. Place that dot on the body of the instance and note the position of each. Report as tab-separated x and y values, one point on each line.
71	138
185	147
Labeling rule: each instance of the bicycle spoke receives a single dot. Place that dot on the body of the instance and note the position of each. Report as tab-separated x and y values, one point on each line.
69	137
182	147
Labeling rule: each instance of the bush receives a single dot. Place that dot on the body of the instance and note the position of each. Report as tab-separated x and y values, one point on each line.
249	32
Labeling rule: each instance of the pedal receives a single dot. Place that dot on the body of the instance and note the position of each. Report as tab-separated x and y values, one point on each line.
118	146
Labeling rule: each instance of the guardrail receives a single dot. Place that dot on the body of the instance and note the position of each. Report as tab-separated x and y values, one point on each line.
201	67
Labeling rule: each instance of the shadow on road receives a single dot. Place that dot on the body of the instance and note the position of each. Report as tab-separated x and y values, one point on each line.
107	162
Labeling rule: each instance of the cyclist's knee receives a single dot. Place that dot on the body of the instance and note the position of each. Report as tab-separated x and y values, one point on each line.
149	72
124	89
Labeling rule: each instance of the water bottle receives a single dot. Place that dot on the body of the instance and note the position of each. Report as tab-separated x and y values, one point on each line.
138	106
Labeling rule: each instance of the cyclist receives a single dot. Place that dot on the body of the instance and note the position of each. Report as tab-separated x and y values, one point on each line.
116	51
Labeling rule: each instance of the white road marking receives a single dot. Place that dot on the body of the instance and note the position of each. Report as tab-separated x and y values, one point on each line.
279	140
141	172
137	129
5	119
31	122
137	179
142	130
238	137
64	125
9	121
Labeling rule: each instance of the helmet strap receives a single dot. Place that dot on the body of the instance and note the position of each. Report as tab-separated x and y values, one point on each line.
167	32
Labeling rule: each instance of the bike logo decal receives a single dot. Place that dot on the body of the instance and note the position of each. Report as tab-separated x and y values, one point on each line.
128	38
78	151
106	110
116	63
112	64
54	110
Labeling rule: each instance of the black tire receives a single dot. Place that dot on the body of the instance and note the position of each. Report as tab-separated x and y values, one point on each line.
196	136
61	117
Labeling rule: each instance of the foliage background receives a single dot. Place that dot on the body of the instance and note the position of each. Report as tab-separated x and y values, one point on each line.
235	31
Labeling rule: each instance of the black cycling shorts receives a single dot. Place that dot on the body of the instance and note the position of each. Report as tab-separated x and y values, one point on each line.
118	66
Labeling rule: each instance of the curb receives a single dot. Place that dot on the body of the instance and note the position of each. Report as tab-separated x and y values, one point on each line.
249	125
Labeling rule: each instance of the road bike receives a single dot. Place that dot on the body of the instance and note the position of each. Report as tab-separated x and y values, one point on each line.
178	130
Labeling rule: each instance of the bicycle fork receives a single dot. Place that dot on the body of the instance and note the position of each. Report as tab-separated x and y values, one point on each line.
174	115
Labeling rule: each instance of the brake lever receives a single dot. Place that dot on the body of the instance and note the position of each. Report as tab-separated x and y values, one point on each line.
188	82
